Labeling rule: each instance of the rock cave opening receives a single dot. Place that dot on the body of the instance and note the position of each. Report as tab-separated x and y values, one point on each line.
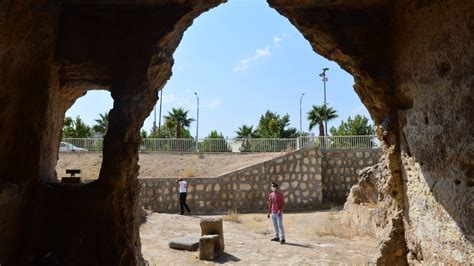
84	127
401	54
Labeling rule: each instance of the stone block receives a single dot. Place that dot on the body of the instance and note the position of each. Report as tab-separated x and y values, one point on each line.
190	243
291	197
245	187
213	226
294	184
209	247
149	192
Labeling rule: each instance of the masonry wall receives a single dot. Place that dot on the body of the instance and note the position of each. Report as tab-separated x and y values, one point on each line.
340	171
299	174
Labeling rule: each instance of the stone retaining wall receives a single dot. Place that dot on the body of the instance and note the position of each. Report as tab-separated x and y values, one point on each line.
299	174
340	170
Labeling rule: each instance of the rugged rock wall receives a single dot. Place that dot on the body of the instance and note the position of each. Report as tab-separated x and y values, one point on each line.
411	60
412	63
51	52
433	66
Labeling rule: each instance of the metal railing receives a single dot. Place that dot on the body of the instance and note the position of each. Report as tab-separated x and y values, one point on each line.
239	145
341	142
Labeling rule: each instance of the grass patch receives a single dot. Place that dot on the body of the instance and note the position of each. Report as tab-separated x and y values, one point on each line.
334	227
188	172
232	216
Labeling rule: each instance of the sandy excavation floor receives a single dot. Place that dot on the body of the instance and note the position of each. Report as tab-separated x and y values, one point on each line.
312	238
153	165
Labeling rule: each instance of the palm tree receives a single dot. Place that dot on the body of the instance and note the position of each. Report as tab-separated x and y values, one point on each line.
317	116
178	118
102	124
245	132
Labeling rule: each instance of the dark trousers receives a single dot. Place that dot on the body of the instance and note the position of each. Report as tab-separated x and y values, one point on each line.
182	202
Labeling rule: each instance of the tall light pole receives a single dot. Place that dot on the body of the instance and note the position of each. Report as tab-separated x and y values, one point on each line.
323	75
159	118
301	114
154	121
197	122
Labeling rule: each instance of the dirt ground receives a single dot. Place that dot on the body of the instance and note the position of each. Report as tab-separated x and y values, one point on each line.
168	165
311	238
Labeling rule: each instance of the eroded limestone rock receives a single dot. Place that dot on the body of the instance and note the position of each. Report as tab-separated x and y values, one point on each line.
412	64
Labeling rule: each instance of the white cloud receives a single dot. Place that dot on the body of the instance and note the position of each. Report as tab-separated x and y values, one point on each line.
277	41
169	98
259	53
214	103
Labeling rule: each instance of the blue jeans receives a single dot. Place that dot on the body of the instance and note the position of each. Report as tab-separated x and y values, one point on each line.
278	224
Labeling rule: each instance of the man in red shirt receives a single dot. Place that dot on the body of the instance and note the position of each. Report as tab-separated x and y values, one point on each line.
276	201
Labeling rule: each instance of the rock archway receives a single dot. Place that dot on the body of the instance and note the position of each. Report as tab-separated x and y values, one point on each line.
412	62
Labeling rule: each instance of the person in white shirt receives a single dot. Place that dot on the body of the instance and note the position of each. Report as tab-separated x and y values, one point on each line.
183	186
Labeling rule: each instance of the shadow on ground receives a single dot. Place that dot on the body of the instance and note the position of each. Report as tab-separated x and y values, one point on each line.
298	245
226	257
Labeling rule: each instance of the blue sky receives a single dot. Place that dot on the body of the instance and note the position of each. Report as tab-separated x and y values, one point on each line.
243	58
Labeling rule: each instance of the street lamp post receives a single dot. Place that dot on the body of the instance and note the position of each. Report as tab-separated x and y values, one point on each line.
301	114
154	121
197	122
323	75
159	118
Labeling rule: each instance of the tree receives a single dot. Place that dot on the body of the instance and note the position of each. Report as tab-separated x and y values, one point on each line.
215	135
102	124
354	127
271	125
76	128
144	134
214	142
318	115
246	132
178	118
167	132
